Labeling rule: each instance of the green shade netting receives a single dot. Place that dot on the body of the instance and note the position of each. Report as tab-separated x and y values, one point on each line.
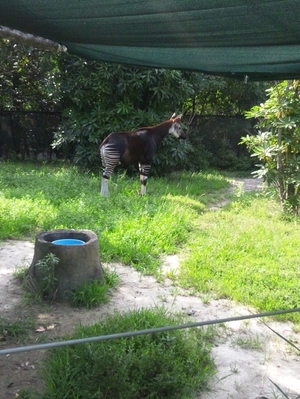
257	38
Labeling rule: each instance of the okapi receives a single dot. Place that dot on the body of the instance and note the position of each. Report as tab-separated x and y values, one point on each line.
136	147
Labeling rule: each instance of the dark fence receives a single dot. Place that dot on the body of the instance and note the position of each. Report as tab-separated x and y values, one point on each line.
215	139
28	135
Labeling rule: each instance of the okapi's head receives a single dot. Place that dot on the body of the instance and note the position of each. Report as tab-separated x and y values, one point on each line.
176	129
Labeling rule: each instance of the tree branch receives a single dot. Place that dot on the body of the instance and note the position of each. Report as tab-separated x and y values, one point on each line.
30	40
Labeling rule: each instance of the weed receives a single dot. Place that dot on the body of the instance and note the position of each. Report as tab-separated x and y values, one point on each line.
248	342
234	369
205	297
16	329
296	328
162	297
288	341
20	272
31	292
173	364
111	278
46	287
94	293
238	386
171	274
175	292
89	295
239	190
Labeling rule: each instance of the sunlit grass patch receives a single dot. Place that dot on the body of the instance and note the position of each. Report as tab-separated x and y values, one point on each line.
132	229
174	364
189	184
245	251
142	239
22	216
247	254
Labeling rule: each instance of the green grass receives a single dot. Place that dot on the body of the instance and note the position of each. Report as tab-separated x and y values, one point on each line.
246	251
94	293
132	229
173	364
17	330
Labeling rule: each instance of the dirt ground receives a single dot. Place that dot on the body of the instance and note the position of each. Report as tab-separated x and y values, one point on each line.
247	354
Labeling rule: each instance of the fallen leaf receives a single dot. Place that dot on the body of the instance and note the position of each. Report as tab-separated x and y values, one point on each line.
25	366
51	326
40	329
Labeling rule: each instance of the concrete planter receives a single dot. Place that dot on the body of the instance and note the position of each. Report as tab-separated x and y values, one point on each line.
78	264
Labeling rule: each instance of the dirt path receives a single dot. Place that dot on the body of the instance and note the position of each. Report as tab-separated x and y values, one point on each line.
247	354
238	184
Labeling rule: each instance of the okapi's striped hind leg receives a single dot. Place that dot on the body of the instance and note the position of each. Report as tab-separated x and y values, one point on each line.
110	159
144	174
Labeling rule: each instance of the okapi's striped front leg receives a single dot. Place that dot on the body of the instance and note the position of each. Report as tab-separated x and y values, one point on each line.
110	158
144	174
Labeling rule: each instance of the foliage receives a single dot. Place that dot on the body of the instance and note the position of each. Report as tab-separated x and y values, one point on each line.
173	364
29	78
98	98
47	285
277	144
30	100
224	96
94	293
101	98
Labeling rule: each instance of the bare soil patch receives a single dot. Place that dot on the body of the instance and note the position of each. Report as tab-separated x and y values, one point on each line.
247	354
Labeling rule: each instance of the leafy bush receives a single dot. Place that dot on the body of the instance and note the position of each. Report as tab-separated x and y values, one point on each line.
174	364
101	98
277	145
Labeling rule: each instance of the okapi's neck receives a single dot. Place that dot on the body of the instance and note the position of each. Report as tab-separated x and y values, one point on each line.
160	131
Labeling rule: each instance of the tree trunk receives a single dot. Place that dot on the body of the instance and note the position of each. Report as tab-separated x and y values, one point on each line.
78	264
280	169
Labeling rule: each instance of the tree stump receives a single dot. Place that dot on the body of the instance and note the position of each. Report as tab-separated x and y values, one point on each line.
77	265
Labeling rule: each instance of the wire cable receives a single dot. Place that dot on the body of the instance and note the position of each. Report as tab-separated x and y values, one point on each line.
144	332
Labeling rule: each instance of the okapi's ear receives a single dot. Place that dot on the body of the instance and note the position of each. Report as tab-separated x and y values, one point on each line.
179	116
173	116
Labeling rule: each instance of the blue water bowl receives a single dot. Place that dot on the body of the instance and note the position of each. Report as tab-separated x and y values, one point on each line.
68	241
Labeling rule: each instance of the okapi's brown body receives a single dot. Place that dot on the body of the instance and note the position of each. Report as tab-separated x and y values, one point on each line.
136	147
